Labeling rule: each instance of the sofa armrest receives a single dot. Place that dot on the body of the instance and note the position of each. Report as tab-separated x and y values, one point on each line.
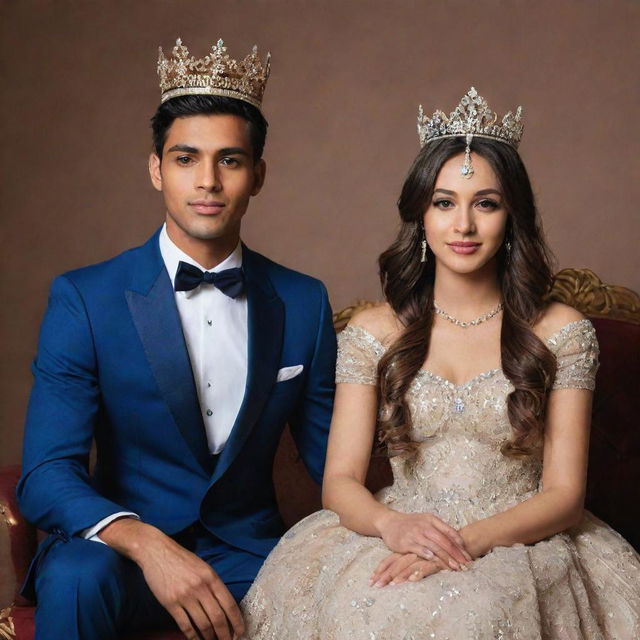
17	540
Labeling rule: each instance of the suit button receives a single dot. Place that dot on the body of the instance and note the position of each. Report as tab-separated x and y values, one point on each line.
209	412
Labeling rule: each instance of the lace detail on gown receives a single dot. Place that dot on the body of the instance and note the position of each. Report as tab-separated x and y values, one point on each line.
576	349
582	583
358	355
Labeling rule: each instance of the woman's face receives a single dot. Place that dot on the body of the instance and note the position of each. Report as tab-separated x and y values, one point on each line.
466	219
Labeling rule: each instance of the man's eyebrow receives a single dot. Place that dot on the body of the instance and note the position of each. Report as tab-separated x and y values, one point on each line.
225	151
233	151
184	148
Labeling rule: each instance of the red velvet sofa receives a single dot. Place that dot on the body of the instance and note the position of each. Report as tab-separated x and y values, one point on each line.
614	461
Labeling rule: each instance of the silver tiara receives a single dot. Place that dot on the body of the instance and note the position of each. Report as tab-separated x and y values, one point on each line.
472	117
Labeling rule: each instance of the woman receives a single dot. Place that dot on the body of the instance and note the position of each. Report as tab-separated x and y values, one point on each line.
480	390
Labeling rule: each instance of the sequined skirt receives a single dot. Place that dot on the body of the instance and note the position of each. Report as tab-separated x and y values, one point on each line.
584	583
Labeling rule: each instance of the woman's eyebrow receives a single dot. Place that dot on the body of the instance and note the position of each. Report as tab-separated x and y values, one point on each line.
484	192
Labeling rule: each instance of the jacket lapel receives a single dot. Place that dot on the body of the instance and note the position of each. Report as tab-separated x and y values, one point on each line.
265	331
155	315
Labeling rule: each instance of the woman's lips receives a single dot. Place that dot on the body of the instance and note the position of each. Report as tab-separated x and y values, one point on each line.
464	248
207	208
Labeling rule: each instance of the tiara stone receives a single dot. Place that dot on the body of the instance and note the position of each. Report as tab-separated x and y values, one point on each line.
216	74
472	117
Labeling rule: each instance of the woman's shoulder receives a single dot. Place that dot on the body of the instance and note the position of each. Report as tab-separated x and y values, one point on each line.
572	339
555	317
362	343
378	321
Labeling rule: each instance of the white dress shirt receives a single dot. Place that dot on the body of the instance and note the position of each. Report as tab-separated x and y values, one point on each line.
215	331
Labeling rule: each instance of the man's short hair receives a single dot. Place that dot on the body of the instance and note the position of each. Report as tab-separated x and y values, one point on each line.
185	106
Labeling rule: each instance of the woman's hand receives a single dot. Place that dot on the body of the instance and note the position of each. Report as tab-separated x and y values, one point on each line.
400	567
426	536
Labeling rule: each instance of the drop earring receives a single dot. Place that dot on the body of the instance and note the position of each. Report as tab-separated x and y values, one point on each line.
423	247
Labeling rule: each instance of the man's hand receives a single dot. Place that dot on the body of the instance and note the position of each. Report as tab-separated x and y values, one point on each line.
186	586
426	536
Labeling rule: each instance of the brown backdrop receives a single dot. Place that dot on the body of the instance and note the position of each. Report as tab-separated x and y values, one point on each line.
78	87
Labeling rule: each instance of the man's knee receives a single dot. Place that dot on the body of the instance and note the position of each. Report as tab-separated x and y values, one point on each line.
81	571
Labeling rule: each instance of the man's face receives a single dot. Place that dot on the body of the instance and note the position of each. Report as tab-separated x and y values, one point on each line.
207	176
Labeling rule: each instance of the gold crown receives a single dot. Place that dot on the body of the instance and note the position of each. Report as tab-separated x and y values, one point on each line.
215	75
472	117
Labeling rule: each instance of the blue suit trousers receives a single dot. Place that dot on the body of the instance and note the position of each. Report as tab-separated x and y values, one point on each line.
87	591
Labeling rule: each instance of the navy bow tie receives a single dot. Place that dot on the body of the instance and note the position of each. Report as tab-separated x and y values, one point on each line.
229	281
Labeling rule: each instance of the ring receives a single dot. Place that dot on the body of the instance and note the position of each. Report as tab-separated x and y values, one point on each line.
415	576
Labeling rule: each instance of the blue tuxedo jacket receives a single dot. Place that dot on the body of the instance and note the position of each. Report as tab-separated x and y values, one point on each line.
112	364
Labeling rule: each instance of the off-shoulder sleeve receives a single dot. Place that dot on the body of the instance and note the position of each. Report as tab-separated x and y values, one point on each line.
358	355
576	349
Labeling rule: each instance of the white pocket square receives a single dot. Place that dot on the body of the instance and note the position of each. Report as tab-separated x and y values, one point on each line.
286	373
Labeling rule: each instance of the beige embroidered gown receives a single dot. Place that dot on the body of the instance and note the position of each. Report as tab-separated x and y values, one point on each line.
583	583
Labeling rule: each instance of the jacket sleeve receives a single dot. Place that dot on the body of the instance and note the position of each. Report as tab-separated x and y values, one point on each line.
55	491
311	419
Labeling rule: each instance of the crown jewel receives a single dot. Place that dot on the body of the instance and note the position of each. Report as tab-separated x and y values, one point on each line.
216	74
471	117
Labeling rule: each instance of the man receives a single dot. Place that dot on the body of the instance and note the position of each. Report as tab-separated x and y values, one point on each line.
183	359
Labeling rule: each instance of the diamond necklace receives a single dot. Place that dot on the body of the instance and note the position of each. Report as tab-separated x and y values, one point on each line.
470	323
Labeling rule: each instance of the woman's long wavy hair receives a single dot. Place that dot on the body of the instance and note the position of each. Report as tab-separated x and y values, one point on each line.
524	276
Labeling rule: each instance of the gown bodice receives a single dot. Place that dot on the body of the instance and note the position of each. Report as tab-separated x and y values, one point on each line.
459	472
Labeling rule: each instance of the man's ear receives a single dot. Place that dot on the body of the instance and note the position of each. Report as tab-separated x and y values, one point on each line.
154	171
259	173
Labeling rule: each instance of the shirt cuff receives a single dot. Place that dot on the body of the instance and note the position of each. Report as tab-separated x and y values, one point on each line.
92	532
